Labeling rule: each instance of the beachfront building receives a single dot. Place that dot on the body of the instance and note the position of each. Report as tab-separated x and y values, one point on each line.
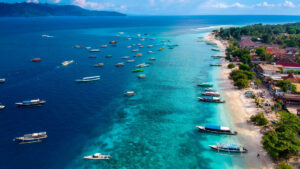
268	69
289	66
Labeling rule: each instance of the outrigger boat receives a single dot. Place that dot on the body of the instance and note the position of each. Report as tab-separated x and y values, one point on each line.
234	148
130	61
150	52
216	129
215	49
66	63
209	89
98	156
103	46
152	59
160	49
95	50
2	106
2	80
138	70
205	84
215	65
125	57
211	99
120	64
113	42
108	56
142	65
31	102
210	94
31	138
135	50
36	60
99	65
142	76
150	46
78	46
129	93
138	54
88	79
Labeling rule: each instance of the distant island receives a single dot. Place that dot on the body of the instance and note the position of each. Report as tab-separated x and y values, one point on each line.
37	9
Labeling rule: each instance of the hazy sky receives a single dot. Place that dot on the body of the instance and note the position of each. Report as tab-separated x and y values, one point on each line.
185	7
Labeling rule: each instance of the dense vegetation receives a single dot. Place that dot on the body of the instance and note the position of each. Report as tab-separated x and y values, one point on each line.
283	141
287	35
241	78
284	165
259	119
286	85
231	66
39	9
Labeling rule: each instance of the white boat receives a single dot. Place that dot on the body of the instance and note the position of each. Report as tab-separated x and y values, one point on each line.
31	138
88	79
66	63
150	46
2	80
98	156
125	57
135	50
129	46
103	46
142	65
121	33
229	148
150	52
2	106
31	102
95	50
47	36
130	61
152	59
88	48
129	93
78	46
129	38
142	76
120	64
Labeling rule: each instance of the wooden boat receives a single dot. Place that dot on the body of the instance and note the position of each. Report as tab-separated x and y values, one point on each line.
130	61
142	65
234	148
120	64
36	60
215	65
125	57
99	65
2	80
31	138
205	84
142	76
95	50
215	49
108	56
138	70
210	94
103	46
152	59
211	99
160	49
78	46
129	93
216	129
66	63
209	89
31	102
98	156
88	79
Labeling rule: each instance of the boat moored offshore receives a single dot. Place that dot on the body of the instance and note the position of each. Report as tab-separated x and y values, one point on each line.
31	138
113	42
103	46
130	61
130	93
138	70
142	76
2	80
2	106
31	102
210	94
95	50
216	129
211	99
215	65
36	60
205	84
234	148
88	79
120	64
98	156
66	63
99	64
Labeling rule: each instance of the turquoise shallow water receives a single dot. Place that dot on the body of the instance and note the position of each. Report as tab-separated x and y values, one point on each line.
157	127
154	129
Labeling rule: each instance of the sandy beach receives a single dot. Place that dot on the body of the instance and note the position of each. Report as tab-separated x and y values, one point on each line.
241	108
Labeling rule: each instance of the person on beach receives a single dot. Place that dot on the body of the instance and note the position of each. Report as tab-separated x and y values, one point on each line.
258	155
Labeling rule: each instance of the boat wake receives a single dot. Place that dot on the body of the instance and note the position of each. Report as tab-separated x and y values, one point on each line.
213	27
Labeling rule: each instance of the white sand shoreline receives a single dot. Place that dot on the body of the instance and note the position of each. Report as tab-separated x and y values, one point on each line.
241	109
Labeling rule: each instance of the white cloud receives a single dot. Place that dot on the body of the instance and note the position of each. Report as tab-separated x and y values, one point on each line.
265	4
32	1
224	6
87	4
288	4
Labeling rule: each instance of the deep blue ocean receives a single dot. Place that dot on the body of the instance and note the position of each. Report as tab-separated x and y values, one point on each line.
153	130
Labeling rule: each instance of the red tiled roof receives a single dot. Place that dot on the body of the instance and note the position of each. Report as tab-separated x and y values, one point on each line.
288	64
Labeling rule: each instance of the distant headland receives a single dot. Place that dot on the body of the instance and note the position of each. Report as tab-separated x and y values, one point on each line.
38	9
